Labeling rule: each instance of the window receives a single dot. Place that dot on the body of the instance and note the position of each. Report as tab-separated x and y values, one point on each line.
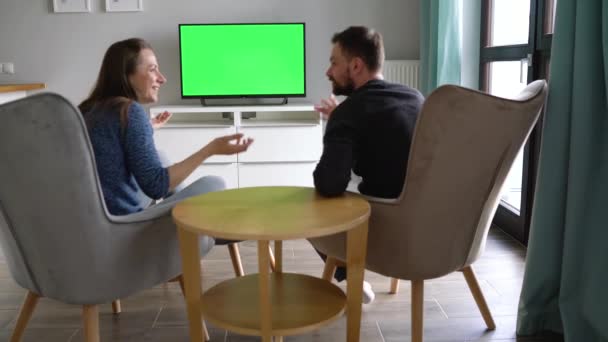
510	22
515	50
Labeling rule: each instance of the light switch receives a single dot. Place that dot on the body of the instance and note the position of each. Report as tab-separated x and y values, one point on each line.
8	68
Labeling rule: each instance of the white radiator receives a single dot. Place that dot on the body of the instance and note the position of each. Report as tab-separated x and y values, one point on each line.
402	71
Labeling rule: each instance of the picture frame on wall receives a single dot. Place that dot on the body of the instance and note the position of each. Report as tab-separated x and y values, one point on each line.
124	5
71	6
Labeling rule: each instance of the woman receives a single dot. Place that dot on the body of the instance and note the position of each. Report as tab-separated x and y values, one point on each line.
122	134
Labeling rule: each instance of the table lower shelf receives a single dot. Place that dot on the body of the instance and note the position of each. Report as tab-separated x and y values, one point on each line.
300	303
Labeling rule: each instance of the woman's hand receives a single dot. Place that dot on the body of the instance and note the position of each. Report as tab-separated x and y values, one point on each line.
229	144
160	119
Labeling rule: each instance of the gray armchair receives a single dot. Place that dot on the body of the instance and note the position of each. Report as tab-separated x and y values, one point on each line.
465	143
57	236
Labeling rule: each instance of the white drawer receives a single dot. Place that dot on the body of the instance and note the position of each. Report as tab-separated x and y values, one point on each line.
283	144
268	174
228	172
180	142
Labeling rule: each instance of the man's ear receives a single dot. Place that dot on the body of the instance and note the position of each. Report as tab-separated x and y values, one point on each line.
356	65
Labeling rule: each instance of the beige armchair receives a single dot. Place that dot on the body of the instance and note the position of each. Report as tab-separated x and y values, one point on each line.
465	143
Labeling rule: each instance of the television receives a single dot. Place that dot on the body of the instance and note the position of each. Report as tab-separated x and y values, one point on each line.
242	60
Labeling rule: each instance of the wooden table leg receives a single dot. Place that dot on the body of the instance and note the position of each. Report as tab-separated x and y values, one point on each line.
191	272
278	253
278	268
356	250
265	305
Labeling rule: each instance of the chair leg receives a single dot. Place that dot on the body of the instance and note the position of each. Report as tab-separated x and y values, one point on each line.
417	310
394	286
116	309
90	316
180	279
206	332
235	256
27	308
329	269
273	264
471	279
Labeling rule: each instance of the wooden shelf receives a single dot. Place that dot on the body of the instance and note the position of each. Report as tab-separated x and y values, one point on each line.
278	123
231	109
200	124
7	88
300	303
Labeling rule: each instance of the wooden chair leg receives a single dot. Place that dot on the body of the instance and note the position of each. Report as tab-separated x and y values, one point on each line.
277	265
90	316
235	256
394	286
206	332
417	310
180	279
25	313
116	309
471	279
329	269
273	264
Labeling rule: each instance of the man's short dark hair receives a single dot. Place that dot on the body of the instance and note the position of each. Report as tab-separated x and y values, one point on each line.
362	42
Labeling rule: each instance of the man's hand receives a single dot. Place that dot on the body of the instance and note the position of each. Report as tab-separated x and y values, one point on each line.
327	106
160	119
229	144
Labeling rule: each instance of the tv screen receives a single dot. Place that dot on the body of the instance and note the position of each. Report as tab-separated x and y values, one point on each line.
242	60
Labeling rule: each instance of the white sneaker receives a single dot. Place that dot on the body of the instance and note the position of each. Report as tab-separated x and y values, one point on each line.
368	293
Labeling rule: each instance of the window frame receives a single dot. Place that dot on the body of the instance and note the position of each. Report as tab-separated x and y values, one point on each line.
538	52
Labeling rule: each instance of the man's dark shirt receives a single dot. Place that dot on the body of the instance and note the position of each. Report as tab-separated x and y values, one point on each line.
369	133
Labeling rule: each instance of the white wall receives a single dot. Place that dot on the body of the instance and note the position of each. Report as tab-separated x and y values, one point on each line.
65	50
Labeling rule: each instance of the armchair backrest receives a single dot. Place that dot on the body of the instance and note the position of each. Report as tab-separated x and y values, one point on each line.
464	145
51	208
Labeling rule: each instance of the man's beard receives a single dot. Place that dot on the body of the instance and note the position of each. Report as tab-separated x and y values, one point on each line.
345	89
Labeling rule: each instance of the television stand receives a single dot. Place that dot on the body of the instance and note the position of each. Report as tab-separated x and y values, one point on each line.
288	142
239	102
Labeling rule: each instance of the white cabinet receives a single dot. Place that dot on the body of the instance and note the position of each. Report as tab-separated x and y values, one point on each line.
282	144
287	142
228	172
180	142
259	174
11	92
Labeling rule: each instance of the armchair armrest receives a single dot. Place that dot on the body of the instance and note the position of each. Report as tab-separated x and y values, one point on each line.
148	214
353	187
378	200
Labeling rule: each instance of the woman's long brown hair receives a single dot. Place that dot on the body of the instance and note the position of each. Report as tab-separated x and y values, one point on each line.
112	89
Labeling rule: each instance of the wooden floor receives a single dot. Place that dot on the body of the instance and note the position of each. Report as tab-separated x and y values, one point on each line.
158	314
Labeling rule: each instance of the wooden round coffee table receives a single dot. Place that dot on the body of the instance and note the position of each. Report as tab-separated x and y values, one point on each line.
277	304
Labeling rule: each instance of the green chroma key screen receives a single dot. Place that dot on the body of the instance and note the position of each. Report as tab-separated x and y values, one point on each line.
228	60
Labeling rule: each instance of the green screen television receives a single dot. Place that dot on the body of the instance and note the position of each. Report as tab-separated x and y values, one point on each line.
242	60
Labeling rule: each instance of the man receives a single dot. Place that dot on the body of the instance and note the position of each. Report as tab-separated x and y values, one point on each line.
370	132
